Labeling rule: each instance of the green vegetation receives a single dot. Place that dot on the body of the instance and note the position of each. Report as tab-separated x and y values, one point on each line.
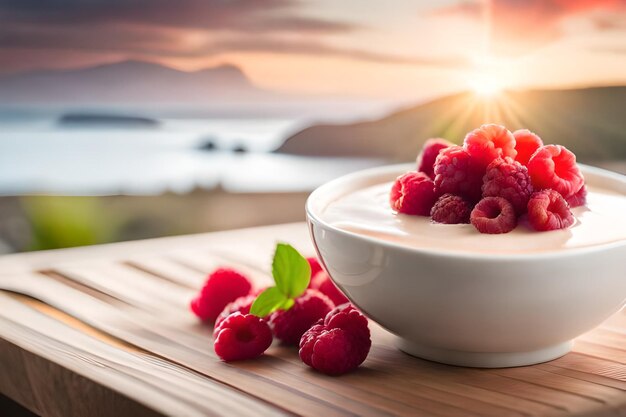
61	222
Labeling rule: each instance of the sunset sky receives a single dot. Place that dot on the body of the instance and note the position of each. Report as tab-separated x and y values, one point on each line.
363	48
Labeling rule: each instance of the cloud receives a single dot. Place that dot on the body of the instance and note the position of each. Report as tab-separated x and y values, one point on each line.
323	48
181	28
21	60
518	26
608	22
468	8
611	50
138	41
113	37
228	15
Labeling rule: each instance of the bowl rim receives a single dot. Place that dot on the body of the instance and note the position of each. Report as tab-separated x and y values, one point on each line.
312	217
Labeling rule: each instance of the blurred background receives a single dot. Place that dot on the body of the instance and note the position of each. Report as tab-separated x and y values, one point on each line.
129	119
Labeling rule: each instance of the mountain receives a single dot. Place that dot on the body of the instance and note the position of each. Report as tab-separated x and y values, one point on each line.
590	121
129	82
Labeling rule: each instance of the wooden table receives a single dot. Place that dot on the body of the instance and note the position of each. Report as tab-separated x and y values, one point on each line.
105	331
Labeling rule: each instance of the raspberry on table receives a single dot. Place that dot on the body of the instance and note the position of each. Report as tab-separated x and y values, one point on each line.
494	215
347	317
489	142
526	143
578	199
289	326
428	155
451	209
322	282
241	336
314	263
554	166
339	343
413	193
456	172
241	305
508	179
222	286
548	210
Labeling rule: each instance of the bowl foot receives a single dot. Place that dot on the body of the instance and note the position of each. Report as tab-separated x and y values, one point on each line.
484	359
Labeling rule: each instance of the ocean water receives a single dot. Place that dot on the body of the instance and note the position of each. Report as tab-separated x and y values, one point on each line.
39	155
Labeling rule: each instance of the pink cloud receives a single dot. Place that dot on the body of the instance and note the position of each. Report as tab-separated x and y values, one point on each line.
518	26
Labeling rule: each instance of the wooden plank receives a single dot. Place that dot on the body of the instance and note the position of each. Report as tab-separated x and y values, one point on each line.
416	392
130	285
598	350
486	379
592	365
585	389
167	269
205	263
611	348
195	338
133	298
43	387
584	376
139	329
50	290
606	336
158	385
256	237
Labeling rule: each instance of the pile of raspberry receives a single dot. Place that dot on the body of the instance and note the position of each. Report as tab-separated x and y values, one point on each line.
496	180
333	336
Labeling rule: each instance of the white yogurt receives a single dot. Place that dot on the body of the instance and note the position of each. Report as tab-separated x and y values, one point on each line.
366	211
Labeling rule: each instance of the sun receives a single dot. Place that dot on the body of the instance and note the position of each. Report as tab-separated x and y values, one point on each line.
490	76
486	85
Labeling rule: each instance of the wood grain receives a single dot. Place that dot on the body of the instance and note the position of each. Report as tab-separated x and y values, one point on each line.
116	319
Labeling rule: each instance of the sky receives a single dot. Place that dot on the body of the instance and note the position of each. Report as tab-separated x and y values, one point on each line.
359	48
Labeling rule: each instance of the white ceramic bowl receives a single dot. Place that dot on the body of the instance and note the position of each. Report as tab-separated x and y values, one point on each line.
479	310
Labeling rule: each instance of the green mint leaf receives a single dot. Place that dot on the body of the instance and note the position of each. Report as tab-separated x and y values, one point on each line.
269	301
291	271
289	302
292	274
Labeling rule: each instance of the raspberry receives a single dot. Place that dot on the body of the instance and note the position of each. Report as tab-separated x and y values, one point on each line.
490	142
451	209
322	282
338	344
428	155
553	166
413	193
241	337
315	267
509	179
288	326
456	172
348	318
548	210
578	199
223	286
330	351
308	339
526	143
241	305
494	215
